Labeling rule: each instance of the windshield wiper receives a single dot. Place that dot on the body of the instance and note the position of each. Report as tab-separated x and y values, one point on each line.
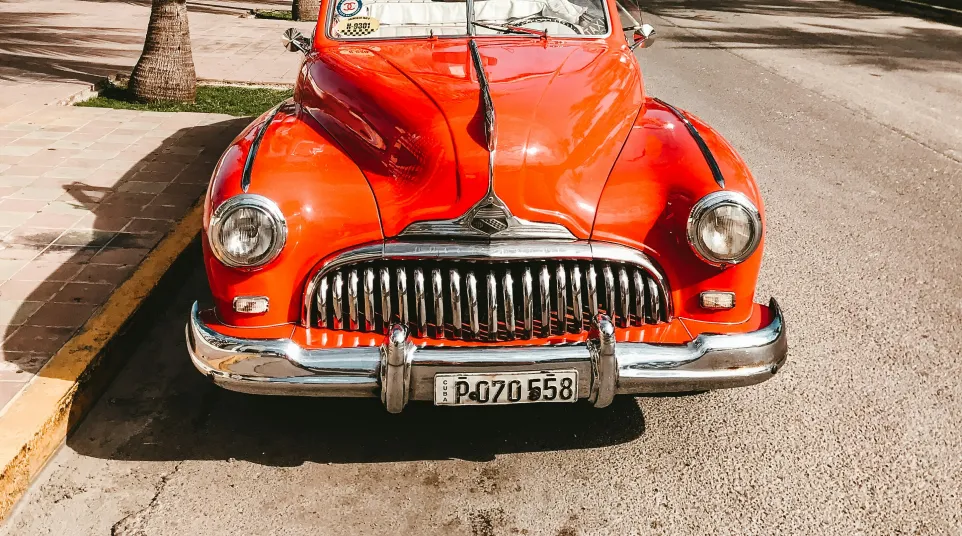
508	28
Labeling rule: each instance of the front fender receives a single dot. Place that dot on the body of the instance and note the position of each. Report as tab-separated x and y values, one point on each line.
325	199
650	192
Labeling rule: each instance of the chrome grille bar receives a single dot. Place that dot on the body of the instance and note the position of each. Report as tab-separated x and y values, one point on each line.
420	307
592	284
322	303
639	297
654	300
385	298
527	303
369	300
492	306
472	293
402	295
609	290
576	305
561	304
337	294
437	292
456	320
544	282
509	320
624	315
352	300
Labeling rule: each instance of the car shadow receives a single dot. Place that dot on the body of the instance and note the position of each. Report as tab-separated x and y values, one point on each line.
160	408
286	431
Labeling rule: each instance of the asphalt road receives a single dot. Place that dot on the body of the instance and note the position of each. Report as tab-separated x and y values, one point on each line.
851	122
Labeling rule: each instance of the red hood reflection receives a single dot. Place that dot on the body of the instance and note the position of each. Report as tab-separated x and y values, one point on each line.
410	116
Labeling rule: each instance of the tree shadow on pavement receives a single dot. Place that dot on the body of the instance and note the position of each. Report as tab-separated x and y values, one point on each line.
856	35
161	408
79	46
215	7
820	8
46	45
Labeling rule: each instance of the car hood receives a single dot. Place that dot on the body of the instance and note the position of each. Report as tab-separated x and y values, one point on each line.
411	117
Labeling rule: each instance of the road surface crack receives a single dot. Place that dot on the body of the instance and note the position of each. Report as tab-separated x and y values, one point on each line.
135	524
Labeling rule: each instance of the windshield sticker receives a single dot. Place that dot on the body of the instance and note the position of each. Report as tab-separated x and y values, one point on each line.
349	8
357	26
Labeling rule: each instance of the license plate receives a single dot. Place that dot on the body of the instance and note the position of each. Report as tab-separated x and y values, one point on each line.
505	388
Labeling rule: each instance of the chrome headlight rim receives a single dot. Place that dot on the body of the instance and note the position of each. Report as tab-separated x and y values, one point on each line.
257	202
711	202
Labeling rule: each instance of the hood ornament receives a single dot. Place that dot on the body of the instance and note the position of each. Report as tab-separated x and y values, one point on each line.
489	218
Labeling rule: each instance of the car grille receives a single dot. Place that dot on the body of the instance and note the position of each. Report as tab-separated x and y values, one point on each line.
485	300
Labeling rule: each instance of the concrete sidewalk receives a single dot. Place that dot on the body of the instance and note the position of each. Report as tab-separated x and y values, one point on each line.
95	204
85	193
52	49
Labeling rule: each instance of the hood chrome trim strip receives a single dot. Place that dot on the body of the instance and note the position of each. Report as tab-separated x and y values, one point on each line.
255	145
489	118
705	151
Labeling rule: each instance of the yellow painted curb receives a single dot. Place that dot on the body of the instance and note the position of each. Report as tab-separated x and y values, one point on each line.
36	422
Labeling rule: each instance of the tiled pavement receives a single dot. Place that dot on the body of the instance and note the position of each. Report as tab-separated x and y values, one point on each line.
85	193
51	52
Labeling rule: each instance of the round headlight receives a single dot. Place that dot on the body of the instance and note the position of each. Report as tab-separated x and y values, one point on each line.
247	231
724	228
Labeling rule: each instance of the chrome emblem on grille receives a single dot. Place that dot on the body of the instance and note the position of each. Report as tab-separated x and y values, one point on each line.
490	219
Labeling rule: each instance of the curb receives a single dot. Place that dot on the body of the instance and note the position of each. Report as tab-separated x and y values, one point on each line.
93	90
36	423
86	93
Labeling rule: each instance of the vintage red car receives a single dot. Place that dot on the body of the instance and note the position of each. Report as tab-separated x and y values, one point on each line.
477	203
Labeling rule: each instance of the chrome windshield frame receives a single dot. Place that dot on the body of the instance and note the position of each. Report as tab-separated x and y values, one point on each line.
469	28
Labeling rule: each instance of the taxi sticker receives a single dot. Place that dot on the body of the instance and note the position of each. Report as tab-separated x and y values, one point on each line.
349	8
357	26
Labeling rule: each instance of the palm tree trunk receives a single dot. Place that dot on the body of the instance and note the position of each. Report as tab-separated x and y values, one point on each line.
165	71
305	9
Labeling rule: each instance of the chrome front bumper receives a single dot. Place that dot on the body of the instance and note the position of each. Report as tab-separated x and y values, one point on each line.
398	371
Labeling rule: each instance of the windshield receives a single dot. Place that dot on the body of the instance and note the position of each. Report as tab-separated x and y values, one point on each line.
380	19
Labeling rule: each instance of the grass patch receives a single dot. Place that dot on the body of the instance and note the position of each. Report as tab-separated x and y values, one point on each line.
232	100
275	14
